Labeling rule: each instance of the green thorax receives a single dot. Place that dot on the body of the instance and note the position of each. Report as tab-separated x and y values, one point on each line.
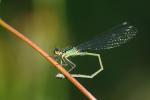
72	52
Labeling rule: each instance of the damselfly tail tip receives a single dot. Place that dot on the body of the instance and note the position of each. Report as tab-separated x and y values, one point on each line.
125	23
60	76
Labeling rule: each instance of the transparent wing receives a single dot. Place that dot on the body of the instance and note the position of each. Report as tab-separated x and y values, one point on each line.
114	37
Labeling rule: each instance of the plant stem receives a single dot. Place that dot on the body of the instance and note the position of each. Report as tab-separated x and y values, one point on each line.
49	58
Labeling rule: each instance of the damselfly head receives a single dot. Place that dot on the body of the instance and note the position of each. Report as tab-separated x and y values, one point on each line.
57	51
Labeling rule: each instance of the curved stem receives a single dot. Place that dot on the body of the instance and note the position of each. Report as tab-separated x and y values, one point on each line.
49	58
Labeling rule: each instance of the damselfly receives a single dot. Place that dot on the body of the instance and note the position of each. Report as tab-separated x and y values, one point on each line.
114	37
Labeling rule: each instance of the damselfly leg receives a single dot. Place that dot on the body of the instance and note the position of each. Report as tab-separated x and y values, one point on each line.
67	62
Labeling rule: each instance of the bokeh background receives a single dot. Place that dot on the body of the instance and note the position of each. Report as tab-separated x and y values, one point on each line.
25	75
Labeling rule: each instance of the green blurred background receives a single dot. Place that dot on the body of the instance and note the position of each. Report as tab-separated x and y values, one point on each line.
25	75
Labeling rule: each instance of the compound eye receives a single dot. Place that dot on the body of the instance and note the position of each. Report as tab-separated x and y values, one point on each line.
56	51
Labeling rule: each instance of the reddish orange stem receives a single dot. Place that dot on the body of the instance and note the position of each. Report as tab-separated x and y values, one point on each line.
50	59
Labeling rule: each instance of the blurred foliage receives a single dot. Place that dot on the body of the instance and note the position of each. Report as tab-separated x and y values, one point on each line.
25	75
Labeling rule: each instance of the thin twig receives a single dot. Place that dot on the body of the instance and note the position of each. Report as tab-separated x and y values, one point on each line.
49	58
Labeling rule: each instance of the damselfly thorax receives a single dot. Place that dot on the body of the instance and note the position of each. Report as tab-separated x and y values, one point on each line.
72	52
